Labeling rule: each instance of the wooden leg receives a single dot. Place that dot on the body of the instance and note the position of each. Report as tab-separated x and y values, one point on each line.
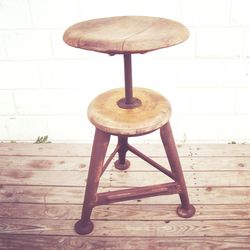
99	149
122	163
185	210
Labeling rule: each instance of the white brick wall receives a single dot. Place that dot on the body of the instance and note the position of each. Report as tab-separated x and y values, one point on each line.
15	14
45	85
6	103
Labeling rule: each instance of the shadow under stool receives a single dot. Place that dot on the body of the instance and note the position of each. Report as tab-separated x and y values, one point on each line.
127	112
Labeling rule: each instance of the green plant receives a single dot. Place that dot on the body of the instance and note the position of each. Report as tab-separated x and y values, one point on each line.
42	139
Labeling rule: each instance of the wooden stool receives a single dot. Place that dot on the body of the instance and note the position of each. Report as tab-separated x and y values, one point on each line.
130	111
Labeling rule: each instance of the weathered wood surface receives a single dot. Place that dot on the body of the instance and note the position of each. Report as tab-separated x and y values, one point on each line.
81	163
121	179
152	114
152	150
74	195
41	192
125	34
166	228
132	212
31	242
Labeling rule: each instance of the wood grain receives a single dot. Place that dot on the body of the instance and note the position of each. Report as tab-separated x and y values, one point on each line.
125	34
152	114
74	195
132	212
42	186
152	150
41	242
121	179
130	228
81	163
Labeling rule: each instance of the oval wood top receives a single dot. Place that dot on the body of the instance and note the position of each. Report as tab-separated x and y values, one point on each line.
125	34
105	114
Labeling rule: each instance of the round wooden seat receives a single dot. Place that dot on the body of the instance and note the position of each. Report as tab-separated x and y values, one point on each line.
125	34
152	114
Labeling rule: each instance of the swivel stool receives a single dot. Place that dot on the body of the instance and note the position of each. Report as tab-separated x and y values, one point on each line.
126	112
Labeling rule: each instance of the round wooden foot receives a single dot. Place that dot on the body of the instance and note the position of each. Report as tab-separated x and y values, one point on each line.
186	213
122	166
83	228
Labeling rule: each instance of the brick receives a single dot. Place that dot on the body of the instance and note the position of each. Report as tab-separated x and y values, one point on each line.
43	102
4	135
205	12
102	74
28	45
19	75
247	44
180	100
54	14
62	50
2	48
162	8
200	73
219	43
240	13
7	106
74	129
61	74
243	101
26	128
150	72
234	128
14	14
195	128
236	73
213	100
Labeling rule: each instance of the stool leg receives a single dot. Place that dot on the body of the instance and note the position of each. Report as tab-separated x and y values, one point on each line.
185	210
122	163
99	149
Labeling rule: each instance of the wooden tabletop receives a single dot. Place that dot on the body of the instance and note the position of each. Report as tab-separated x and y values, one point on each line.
125	34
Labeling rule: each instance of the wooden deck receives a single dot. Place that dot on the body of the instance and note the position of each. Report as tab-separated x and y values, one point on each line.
41	191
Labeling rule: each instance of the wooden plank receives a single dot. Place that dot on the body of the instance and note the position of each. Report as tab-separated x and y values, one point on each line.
41	242
153	150
130	228
235	150
81	163
50	149
193	179
120	179
121	211
44	163
74	195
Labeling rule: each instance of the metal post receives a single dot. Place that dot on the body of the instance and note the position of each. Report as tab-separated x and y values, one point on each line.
99	149
122	163
129	101
128	79
185	210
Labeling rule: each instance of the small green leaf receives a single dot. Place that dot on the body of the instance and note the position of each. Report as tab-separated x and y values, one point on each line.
42	139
